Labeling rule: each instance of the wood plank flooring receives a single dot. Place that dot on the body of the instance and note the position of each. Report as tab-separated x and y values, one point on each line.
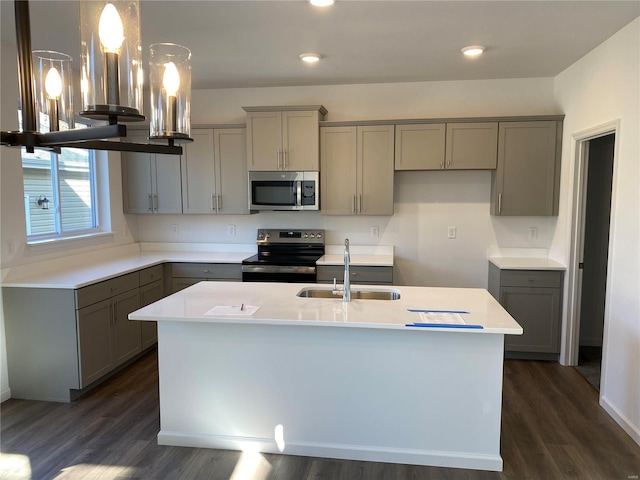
552	428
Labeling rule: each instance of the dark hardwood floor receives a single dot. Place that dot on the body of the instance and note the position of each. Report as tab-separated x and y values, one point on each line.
552	428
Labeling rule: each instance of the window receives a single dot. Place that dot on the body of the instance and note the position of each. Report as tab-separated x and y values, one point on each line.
59	193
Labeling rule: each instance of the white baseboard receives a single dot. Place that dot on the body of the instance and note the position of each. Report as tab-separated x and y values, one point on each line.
344	452
621	419
5	395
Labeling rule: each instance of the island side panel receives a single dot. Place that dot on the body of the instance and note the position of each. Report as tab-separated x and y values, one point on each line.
420	397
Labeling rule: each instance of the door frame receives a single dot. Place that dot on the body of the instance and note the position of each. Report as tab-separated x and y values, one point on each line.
577	217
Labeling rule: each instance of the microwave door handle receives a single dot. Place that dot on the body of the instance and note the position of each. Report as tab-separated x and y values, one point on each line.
299	193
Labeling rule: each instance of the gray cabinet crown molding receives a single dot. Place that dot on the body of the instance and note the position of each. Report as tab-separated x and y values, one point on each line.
323	111
528	118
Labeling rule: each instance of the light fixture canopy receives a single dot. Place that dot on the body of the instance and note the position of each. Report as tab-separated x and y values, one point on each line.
473	50
170	85
321	3
310	57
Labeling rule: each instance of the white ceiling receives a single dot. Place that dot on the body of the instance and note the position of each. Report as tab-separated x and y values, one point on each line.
257	43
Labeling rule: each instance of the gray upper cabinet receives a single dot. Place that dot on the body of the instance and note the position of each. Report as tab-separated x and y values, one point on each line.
357	170
420	146
527	180
281	138
149	181
450	146
214	172
471	146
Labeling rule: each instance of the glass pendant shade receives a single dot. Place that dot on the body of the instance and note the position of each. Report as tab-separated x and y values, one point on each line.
170	85
53	90
111	60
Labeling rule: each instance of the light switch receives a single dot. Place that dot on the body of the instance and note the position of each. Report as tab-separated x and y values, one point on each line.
452	232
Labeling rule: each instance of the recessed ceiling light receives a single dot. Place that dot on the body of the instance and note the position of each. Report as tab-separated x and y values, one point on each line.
473	50
321	3
310	57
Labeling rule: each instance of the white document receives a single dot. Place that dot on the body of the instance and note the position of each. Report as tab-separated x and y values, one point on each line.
233	310
441	318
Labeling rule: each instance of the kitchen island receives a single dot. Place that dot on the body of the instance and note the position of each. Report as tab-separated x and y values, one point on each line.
319	377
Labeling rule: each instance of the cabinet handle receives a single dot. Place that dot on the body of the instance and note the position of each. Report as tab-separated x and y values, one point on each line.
155	203
353	209
278	159
442	164
499	203
531	279
213	208
218	203
205	270
284	159
449	163
115	312
360	203
150	203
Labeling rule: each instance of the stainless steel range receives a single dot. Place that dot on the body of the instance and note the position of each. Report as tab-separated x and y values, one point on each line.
284	256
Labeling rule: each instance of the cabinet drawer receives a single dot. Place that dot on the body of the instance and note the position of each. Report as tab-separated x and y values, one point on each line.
100	291
151	274
214	271
359	274
530	278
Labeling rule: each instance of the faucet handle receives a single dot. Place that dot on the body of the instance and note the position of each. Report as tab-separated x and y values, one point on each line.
346	242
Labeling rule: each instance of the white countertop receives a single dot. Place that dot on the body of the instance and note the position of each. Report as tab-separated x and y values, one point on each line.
279	305
81	276
525	263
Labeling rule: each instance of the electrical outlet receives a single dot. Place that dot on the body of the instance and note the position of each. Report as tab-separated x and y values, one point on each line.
375	232
231	229
533	233
174	228
452	232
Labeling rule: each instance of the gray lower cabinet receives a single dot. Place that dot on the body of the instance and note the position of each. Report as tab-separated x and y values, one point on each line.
106	337
366	275
527	179
534	299
151	290
184	275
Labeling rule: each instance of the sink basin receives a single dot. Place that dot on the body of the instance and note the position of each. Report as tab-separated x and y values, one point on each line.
356	294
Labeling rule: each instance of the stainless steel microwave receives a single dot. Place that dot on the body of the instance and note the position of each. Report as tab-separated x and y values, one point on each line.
284	191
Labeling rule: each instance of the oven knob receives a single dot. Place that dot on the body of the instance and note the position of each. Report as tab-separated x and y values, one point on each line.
268	235
306	235
319	235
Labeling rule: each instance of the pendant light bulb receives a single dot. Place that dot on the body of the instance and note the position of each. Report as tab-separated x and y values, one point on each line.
110	29
171	79
53	83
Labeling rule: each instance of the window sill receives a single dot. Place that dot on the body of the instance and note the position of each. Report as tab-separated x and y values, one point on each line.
88	239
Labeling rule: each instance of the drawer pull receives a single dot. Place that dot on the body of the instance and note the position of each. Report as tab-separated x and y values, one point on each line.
206	271
531	279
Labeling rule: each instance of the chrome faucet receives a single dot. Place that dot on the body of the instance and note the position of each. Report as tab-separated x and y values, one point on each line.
346	294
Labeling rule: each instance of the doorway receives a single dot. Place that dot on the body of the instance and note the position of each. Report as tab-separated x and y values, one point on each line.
592	213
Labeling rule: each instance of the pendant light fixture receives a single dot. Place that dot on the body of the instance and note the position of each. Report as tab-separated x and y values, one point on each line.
111	84
53	90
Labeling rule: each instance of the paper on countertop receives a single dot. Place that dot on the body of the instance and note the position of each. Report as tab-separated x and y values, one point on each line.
233	310
441	318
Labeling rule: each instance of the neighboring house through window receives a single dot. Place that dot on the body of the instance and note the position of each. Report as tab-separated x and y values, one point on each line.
59	193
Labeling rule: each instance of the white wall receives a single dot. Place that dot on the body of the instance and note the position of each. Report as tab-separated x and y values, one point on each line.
426	202
602	87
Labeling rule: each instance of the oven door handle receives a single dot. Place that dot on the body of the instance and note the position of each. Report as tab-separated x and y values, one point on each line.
277	269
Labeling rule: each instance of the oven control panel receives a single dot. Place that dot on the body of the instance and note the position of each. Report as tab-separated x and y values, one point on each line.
290	236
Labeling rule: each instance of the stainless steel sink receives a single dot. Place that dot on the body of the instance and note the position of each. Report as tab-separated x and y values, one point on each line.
356	294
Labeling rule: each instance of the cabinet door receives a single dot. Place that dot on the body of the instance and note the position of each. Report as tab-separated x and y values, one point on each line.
232	184
136	182
338	171
95	338
167	193
374	160
126	333
525	180
537	310
300	141
420	147
264	141
198	173
148	294
472	146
